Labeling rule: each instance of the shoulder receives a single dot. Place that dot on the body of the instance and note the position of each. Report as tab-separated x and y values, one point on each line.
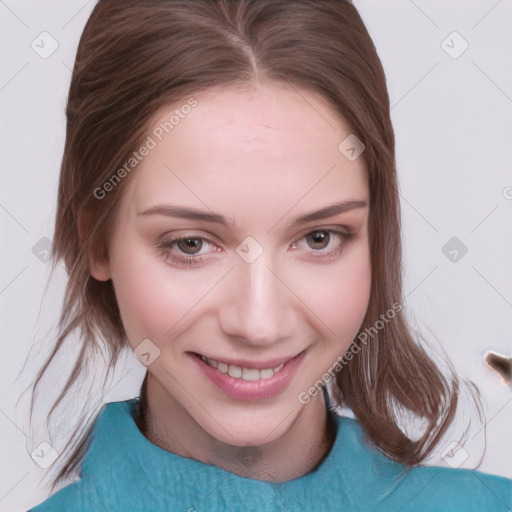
67	498
118	469
423	488
451	489
83	494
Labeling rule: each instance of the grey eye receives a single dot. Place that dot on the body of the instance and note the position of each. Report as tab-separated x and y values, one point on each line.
318	239
190	245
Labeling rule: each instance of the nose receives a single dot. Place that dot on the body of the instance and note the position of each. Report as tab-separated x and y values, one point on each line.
256	306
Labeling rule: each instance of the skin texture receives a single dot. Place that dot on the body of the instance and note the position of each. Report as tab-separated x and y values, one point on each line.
261	158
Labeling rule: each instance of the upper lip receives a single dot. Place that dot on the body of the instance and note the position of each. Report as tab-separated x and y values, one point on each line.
247	363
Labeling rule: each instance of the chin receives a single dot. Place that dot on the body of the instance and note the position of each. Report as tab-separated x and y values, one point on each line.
247	430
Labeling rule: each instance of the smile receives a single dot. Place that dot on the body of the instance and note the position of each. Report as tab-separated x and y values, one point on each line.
243	379
239	372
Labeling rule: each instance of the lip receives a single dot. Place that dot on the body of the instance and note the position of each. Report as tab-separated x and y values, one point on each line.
248	390
246	363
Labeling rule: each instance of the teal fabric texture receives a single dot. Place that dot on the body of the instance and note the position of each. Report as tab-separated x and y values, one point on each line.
124	471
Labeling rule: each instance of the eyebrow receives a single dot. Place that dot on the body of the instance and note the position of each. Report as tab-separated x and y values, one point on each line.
329	211
193	214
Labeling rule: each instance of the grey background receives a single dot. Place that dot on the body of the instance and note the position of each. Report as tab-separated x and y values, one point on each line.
453	125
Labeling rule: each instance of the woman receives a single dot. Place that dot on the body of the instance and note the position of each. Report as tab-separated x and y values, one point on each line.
228	210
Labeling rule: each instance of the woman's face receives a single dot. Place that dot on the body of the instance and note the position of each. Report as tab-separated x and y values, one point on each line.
251	182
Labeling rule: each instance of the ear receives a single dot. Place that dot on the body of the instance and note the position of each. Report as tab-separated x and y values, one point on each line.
99	268
97	258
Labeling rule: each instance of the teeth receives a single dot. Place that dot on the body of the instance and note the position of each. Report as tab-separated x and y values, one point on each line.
251	374
267	373
243	373
235	371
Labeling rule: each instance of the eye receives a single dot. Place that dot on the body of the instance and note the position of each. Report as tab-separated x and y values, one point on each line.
186	250
189	245
317	245
318	239
323	244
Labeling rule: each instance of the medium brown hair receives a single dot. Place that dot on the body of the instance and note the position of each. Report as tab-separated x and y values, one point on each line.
137	57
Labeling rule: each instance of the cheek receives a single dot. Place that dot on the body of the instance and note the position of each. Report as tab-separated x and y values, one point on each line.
152	297
338	294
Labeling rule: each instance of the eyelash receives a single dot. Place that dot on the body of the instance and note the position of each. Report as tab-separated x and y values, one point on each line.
164	248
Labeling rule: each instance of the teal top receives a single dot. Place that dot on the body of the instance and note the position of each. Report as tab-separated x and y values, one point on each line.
123	471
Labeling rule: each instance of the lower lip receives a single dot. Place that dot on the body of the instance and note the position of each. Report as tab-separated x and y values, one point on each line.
252	390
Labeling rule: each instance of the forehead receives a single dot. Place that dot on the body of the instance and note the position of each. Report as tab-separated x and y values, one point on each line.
267	148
